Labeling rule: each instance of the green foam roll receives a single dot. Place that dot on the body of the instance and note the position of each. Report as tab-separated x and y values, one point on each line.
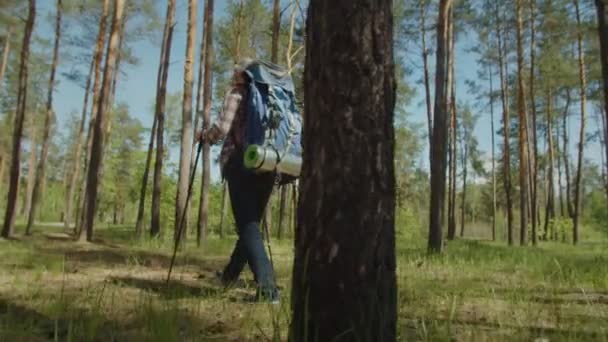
266	159
254	157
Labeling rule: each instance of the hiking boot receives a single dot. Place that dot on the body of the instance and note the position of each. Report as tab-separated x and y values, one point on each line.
270	296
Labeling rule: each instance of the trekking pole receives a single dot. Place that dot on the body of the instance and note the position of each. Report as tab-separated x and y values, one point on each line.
183	216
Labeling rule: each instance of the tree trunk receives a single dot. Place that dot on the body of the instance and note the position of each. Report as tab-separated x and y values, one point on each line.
275	59
425	62
161	95
451	108
438	166
345	269
559	173
581	145
566	157
550	209
186	132
523	130
5	53
603	133
602	15
203	211
465	158
75	175
101	37
224	209
534	175
493	154
9	217
46	136
94	169
139	223
276	25
284	195
506	127
31	169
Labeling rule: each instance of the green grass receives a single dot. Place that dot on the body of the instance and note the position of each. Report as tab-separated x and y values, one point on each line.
114	289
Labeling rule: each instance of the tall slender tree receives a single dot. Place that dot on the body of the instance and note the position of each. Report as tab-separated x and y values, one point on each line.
506	122
9	217
423	4
453	163
581	145
438	165
493	152
75	174
523	132
31	166
550	205
203	214
161	95
6	49
566	155
101	37
46	135
345	287
186	132
534	173
97	147
602	18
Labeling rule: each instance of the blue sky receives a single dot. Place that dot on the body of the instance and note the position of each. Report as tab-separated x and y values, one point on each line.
137	89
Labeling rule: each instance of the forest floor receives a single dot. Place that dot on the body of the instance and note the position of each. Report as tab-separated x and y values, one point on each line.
52	288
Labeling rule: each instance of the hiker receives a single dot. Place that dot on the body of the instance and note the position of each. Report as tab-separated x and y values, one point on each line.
249	192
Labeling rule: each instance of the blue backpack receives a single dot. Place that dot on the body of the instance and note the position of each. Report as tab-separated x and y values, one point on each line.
273	119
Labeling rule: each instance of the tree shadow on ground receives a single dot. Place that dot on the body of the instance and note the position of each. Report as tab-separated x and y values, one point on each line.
114	257
174	290
484	330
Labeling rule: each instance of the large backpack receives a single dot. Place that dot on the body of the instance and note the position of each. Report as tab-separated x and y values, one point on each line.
274	123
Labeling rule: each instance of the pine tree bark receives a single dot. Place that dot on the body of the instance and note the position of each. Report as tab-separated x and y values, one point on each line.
603	133
425	63
276	25
275	59
550	207
97	147
566	156
46	135
523	133
203	213
31	169
9	217
161	95
581	145
534	176
345	269
506	125
453	164
139	223
101	37
75	174
465	158
186	132
602	16
493	153
284	195
559	172
438	165
5	53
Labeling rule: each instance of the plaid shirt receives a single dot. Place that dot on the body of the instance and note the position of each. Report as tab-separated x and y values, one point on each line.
230	125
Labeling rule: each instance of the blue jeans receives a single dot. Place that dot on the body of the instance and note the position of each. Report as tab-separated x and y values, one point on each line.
249	194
